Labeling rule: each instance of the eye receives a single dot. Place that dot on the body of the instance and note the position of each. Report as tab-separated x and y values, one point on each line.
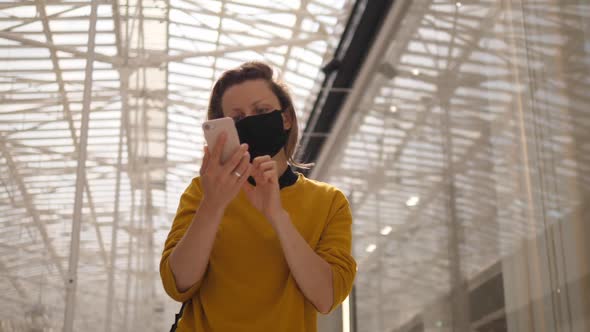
262	110
237	117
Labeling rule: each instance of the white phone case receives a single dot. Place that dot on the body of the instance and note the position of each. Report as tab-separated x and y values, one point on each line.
213	128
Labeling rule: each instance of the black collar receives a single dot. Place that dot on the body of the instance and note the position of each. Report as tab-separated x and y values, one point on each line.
288	178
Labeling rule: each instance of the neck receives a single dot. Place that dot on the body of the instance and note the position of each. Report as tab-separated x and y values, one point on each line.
281	160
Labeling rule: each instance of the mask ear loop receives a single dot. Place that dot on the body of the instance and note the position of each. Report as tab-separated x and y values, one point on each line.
287	130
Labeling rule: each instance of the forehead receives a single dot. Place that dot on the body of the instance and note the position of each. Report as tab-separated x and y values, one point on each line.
243	95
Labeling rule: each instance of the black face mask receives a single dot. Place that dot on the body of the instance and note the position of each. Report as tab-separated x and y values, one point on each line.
264	134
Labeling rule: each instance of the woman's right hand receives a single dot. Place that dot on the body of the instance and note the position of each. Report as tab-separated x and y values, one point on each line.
219	180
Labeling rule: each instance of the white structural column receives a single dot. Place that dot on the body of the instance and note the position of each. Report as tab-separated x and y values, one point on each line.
115	229
72	279
124	76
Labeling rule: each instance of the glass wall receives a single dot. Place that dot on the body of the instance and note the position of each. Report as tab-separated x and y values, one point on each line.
467	163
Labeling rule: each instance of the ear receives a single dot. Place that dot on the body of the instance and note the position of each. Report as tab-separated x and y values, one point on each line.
287	120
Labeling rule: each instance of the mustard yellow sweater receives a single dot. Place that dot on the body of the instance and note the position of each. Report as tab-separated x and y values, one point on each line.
248	285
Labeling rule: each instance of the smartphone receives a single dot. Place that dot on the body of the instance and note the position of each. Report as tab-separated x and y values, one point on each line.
213	128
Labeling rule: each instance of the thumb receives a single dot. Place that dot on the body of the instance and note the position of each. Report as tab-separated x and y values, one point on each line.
205	162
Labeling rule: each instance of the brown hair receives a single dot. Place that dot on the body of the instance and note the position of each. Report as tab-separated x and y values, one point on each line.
256	70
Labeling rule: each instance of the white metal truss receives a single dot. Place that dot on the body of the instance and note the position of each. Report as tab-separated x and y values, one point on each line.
99	134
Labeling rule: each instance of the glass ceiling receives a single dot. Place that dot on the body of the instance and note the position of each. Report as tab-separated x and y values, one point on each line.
143	70
468	141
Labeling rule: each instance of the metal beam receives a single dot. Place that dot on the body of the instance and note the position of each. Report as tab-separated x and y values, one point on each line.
30	206
114	232
154	60
66	49
129	263
68	117
35	19
296	32
16	283
239	48
49	2
116	216
148	206
80	177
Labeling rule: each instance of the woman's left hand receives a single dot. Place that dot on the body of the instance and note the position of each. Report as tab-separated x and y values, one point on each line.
265	196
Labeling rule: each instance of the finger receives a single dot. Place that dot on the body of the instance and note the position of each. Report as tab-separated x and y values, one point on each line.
245	176
270	176
218	148
235	159
258	160
241	168
243	165
268	165
256	172
205	163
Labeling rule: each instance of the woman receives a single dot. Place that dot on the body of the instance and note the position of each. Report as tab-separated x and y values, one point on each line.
263	257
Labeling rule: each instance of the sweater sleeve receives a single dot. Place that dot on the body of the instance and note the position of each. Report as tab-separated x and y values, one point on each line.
334	247
189	201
